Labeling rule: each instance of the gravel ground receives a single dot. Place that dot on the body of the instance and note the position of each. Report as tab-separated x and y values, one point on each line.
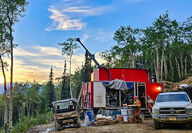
145	127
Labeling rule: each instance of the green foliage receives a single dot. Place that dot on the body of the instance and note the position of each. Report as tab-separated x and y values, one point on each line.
27	99
65	91
87	69
77	82
81	75
30	105
50	87
10	12
68	46
165	48
29	122
1	110
128	45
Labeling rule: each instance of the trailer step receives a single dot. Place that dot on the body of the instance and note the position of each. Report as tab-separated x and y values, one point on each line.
146	112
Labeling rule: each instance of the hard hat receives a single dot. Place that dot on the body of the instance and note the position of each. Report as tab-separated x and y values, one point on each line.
135	97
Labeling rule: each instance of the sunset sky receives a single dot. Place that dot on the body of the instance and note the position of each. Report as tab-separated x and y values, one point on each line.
48	22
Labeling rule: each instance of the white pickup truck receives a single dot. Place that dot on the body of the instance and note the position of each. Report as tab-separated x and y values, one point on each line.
172	107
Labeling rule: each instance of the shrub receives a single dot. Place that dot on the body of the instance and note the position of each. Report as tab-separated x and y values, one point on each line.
28	122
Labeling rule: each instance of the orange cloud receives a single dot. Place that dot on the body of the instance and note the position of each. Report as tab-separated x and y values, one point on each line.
34	64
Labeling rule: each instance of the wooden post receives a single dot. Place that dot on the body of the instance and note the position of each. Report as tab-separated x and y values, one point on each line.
80	94
119	98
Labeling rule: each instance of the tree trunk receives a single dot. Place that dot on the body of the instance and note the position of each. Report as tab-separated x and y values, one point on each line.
28	109
11	83
178	67
157	65
182	67
154	65
20	112
63	91
5	96
132	59
71	93
185	66
191	61
80	94
165	67
171	65
162	61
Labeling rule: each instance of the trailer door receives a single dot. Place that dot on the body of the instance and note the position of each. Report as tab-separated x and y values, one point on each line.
141	93
99	94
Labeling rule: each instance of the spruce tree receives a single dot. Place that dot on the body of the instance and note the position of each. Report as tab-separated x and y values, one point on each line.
50	85
65	89
87	69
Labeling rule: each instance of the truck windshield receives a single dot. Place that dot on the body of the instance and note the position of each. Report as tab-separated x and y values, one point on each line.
172	97
63	105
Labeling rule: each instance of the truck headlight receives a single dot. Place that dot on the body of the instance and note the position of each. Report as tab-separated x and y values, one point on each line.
155	111
189	111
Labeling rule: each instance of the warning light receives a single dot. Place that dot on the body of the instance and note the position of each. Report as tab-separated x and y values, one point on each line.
159	88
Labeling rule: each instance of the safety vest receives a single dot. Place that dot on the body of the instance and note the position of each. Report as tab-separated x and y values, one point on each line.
138	103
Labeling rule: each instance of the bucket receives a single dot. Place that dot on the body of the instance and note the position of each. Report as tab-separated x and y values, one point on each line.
125	118
90	114
130	111
124	111
131	120
130	115
81	115
142	117
120	118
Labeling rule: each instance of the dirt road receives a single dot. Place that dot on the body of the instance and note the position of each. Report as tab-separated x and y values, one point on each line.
145	127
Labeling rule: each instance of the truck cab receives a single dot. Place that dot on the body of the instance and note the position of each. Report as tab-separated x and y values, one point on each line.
65	113
172	107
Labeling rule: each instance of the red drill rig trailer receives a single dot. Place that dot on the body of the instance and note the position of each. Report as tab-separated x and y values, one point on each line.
97	95
110	88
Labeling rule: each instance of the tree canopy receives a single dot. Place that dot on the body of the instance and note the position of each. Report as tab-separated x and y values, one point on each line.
165	48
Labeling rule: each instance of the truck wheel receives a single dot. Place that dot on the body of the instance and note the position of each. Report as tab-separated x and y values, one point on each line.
78	124
57	126
188	125
156	124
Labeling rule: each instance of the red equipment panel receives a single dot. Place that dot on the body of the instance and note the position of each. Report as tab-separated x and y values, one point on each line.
126	74
84	95
88	95
153	89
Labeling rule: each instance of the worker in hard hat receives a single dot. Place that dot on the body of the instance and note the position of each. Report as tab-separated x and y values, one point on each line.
137	102
137	110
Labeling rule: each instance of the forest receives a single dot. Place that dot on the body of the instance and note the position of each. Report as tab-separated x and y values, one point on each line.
164	48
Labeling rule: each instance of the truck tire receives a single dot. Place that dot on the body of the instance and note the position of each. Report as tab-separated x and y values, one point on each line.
156	124
57	126
78	124
188	125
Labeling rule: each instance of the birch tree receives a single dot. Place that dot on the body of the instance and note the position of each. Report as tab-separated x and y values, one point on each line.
165	48
68	48
3	65
128	44
10	11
